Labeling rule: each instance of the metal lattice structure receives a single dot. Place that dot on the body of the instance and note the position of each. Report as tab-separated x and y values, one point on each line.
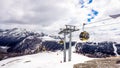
68	30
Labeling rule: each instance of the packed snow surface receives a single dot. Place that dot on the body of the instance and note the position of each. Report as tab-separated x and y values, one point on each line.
43	60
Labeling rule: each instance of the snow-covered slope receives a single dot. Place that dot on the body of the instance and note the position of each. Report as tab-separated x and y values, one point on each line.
43	60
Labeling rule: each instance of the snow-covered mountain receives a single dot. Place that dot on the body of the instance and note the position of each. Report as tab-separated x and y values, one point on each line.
98	50
21	41
98	15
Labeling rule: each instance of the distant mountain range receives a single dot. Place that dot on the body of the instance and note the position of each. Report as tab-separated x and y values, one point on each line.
98	50
21	41
17	42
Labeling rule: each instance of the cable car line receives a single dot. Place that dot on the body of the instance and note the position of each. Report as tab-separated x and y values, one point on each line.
84	35
98	21
111	17
104	25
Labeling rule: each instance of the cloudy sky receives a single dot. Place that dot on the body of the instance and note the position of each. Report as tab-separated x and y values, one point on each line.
36	14
50	15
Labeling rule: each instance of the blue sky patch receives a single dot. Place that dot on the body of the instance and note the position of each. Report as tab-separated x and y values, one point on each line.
90	1
89	20
95	12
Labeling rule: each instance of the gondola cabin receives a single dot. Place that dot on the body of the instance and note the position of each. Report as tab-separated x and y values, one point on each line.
61	42
84	36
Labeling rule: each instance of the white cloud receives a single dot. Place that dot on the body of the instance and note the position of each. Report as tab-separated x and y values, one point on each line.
44	15
42	12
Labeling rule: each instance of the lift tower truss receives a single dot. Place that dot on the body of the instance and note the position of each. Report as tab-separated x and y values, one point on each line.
68	30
